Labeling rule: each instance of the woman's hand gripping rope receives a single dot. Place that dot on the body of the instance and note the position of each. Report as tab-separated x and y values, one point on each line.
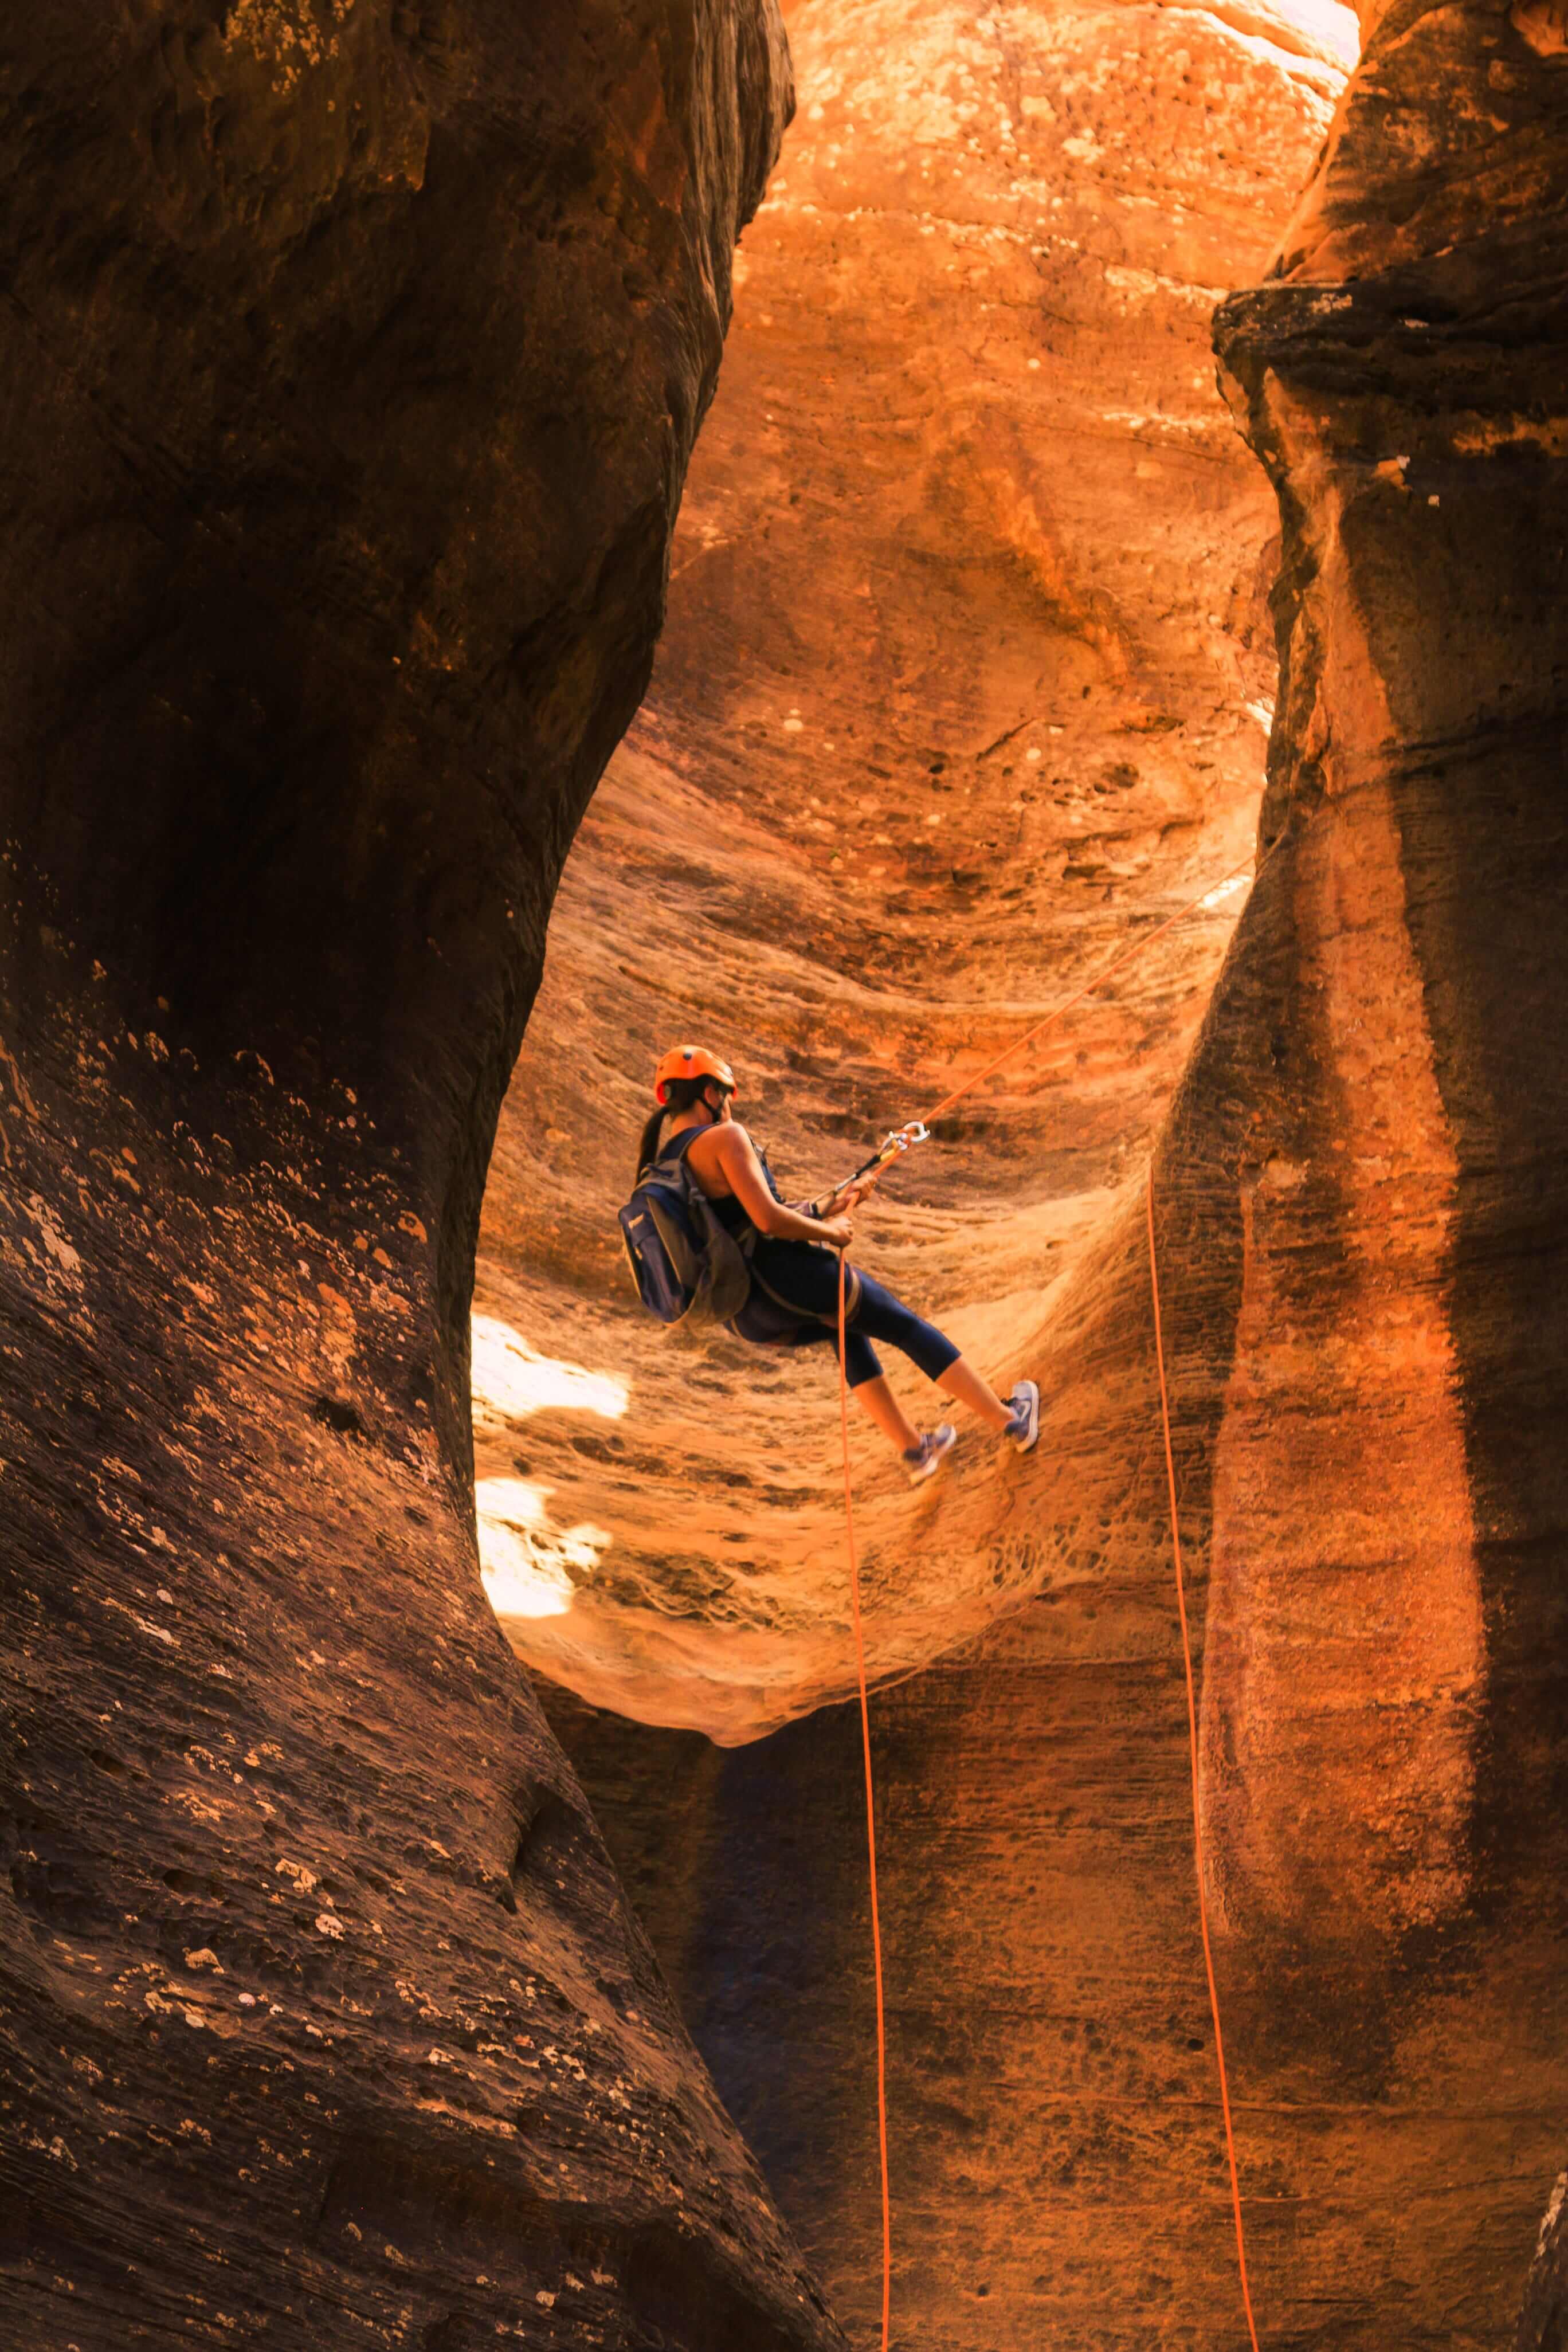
836	1205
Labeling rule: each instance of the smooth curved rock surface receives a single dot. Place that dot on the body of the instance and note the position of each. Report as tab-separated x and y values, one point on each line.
966	682
352	357
1361	1179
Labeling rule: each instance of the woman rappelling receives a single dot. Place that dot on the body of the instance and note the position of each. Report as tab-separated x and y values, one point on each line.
710	1239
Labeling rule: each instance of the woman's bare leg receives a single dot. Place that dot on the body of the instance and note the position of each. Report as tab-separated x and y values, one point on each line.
962	1381
886	1412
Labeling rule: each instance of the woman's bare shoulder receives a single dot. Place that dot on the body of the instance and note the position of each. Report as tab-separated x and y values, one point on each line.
707	1157
720	1152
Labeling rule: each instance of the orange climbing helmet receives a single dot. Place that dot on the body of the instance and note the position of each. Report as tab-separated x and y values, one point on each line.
690	1062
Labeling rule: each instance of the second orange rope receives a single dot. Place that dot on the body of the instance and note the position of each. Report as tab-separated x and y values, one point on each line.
1109	971
1193	1751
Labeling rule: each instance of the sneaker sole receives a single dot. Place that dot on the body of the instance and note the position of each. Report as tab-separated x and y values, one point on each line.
929	1469
1031	1437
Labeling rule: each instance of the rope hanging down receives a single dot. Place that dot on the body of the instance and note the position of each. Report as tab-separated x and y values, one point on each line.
870	1819
1193	1750
1118	963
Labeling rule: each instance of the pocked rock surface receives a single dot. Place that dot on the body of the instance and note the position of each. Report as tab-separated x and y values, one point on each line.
1361	1181
967	681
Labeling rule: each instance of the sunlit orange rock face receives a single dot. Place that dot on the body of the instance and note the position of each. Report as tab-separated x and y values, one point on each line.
1384	1726
908	556
966	680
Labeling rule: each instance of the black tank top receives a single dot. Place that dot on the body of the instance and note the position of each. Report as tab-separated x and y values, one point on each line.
794	1284
728	1210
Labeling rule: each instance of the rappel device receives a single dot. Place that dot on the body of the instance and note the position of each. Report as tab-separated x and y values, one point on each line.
892	1147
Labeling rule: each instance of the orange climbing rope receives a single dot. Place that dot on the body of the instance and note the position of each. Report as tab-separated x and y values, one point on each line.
1192	1748
870	1819
1130	955
1118	963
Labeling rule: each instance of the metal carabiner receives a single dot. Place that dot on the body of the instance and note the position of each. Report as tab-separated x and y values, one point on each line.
892	1147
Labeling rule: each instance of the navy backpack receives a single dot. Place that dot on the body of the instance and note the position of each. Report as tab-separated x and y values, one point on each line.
689	1267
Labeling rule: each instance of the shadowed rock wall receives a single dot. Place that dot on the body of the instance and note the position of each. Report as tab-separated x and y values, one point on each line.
1544	2317
1384	1708
352	358
1362	1187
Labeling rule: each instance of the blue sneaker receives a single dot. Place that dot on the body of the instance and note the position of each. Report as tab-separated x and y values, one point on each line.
921	1460
1023	1428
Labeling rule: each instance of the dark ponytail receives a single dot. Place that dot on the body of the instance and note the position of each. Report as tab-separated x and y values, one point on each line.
648	1150
682	1093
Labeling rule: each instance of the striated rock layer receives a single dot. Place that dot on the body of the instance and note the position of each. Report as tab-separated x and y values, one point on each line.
967	684
1361	1182
1384	1721
351	360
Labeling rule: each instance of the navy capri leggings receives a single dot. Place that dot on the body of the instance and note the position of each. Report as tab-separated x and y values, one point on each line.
807	1275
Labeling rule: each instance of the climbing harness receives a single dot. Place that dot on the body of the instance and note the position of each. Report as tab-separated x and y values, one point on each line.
883	1157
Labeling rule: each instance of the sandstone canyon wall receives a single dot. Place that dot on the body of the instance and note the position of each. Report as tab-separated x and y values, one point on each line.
353	354
967	680
1360	1171
1544	2317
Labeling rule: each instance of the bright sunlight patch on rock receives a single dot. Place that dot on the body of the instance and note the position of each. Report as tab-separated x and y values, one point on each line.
527	1568
513	1380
